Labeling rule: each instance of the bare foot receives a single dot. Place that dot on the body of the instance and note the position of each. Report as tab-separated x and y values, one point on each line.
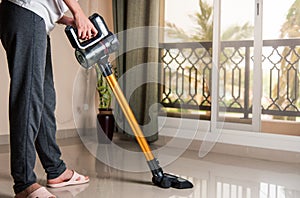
65	176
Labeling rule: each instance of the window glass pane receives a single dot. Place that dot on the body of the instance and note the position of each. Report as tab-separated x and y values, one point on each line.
236	60
281	54
186	57
237	20
188	21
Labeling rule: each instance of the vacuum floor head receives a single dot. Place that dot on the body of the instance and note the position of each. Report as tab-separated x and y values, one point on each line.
168	180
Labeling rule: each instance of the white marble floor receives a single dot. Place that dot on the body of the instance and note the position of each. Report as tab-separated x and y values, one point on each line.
215	176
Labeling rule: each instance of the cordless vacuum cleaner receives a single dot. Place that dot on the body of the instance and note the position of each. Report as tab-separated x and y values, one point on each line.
96	51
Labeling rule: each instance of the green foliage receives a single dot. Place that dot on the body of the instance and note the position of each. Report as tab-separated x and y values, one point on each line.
204	27
291	27
103	89
236	32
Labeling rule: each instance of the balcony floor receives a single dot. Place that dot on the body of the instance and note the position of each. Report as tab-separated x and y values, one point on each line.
216	175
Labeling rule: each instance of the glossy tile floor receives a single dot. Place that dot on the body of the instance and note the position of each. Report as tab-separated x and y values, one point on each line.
215	176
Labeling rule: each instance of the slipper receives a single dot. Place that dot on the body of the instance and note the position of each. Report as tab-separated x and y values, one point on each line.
41	192
73	181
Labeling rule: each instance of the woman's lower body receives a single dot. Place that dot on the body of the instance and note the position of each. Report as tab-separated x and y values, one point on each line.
32	95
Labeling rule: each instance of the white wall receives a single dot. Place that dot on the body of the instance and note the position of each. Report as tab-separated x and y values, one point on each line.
65	68
4	83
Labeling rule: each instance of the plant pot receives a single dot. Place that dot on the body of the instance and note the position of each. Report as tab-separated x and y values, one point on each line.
105	126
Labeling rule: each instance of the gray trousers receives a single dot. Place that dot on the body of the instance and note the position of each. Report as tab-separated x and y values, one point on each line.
32	95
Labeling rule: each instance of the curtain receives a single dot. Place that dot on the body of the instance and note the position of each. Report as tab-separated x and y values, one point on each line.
134	23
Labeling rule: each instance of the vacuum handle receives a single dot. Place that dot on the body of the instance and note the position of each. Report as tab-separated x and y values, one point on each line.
99	24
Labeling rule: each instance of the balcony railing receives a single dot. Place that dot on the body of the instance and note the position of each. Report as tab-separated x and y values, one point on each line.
187	76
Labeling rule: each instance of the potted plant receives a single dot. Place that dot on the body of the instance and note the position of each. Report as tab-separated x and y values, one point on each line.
106	122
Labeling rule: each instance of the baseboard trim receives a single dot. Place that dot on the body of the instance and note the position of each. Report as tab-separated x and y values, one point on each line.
4	140
236	150
200	130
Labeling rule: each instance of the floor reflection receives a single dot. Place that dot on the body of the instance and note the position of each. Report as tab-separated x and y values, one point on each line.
215	176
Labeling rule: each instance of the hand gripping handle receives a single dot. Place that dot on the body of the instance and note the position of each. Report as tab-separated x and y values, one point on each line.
99	24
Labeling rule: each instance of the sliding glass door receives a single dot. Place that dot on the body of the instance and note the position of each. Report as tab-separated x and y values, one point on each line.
280	66
236	59
233	62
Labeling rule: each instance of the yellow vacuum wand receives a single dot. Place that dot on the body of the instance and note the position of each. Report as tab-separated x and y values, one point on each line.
159	178
111	80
